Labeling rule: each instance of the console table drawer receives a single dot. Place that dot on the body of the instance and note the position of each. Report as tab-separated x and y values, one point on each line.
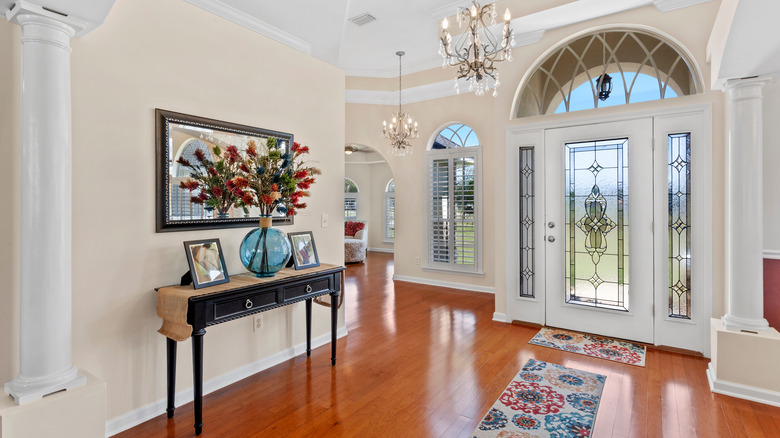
245	304
312	287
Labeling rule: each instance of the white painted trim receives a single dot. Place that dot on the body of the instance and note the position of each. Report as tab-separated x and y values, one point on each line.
388	250
499	317
241	18
145	413
432	91
773	254
455	270
448	284
670	5
738	390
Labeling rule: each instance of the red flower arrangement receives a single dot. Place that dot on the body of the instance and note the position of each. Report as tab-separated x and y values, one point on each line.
278	178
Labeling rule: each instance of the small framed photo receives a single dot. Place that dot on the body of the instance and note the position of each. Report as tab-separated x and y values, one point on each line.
304	252
207	264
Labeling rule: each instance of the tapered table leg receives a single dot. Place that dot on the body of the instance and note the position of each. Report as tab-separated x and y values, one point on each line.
308	327
197	377
334	320
171	349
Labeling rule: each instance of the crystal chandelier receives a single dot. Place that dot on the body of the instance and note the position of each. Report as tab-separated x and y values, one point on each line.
402	128
477	49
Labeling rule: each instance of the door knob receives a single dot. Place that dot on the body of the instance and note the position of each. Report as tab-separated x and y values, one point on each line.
551	238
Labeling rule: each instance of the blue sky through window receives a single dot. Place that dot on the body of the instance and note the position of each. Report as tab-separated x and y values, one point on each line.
645	89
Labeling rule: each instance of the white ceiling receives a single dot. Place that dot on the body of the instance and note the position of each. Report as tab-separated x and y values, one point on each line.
322	28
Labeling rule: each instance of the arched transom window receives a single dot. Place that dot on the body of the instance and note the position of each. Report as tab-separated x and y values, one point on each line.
642	67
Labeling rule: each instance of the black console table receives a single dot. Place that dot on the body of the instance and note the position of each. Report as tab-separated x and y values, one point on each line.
187	312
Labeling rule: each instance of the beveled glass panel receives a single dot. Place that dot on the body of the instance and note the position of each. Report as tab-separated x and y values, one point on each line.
679	185
526	222
596	229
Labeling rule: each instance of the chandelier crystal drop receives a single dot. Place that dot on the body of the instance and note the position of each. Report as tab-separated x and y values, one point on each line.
477	49
402	128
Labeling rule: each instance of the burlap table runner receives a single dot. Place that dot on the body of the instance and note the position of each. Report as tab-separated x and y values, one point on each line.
172	301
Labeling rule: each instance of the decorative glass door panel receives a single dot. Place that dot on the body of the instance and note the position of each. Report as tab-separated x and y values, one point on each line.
599	246
596	204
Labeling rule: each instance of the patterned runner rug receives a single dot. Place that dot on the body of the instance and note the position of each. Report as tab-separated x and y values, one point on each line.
544	400
591	345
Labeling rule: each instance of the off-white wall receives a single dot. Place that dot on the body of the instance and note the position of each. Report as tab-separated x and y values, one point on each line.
10	50
490	118
771	162
372	178
183	59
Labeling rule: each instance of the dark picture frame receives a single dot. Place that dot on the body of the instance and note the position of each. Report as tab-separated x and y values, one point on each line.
176	131
304	251
207	262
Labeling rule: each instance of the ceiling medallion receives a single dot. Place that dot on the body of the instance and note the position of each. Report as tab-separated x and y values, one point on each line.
477	50
401	129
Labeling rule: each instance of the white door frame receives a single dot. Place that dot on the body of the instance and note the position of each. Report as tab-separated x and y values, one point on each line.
533	135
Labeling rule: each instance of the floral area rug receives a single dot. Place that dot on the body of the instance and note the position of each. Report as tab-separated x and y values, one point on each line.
544	400
591	345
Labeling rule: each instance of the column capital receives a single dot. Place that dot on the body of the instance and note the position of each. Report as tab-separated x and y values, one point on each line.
25	12
746	88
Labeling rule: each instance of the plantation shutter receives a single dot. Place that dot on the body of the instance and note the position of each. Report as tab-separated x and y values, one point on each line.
350	206
439	211
389	216
453	210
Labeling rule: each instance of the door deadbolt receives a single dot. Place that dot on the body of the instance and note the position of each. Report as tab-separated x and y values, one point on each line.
551	224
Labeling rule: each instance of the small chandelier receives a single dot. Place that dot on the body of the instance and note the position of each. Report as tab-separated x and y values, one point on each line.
402	128
477	49
604	86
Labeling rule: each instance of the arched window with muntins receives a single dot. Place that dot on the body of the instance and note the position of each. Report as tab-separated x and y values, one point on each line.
453	193
456	135
643	66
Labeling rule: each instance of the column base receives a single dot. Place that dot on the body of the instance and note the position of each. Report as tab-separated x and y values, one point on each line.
736	323
744	365
25	390
76	413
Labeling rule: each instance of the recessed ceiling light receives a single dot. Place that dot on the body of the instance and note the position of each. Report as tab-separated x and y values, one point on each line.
362	19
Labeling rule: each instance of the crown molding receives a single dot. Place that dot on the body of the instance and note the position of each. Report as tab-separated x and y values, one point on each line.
422	93
446	10
386	74
670	5
230	13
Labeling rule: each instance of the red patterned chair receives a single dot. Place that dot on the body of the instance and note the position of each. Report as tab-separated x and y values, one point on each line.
355	241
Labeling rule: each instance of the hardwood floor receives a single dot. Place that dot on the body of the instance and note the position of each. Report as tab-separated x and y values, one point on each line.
422	361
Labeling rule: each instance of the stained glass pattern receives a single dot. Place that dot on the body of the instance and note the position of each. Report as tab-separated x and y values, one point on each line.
597	224
526	222
679	173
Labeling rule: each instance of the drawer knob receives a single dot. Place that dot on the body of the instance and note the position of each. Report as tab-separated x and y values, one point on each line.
248	304
308	288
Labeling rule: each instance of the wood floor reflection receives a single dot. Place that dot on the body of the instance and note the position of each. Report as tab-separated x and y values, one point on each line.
423	361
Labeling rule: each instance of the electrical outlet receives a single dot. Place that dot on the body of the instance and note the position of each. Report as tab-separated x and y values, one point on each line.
324	220
258	322
417	260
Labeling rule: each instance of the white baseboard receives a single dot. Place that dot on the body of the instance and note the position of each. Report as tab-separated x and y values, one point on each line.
772	254
390	250
738	390
145	413
499	317
471	287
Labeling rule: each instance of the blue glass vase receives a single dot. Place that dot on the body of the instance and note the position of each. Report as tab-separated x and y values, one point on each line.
265	250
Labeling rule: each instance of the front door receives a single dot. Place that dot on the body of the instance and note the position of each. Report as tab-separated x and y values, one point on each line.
599	228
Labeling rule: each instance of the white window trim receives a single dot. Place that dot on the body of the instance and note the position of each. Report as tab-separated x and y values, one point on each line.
430	155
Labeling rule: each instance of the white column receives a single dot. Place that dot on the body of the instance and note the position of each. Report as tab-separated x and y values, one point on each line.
745	229
45	333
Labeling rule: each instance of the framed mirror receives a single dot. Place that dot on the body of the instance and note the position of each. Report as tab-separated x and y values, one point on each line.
188	137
